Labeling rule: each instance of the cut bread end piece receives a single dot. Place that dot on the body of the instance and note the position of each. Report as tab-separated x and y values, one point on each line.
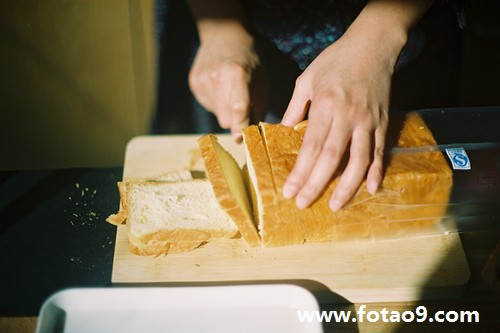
228	183
170	217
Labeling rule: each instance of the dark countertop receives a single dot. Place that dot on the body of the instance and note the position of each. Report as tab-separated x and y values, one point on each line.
53	233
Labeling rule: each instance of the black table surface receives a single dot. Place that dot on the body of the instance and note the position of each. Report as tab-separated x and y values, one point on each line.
53	233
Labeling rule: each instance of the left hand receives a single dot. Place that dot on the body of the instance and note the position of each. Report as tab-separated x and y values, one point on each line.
348	87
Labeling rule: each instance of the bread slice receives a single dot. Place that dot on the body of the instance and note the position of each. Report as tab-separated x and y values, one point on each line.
414	194
121	216
169	217
280	222
228	183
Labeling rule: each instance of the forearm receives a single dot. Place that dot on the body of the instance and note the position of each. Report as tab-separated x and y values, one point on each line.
219	18
402	14
383	26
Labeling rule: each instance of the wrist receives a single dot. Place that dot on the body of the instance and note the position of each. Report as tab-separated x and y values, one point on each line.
383	26
228	31
228	41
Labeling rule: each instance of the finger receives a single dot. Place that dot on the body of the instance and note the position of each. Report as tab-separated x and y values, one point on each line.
325	166
239	102
311	147
221	108
297	107
375	172
355	171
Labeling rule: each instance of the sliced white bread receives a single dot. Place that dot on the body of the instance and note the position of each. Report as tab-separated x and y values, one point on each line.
121	216
170	217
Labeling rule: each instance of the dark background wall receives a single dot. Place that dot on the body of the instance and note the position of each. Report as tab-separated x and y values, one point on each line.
457	67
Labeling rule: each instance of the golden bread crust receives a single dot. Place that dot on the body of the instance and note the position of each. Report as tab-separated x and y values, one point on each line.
241	216
414	193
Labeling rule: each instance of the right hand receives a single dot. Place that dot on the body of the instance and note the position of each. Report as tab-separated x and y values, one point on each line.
221	78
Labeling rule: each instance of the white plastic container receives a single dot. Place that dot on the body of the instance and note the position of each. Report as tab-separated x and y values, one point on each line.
243	309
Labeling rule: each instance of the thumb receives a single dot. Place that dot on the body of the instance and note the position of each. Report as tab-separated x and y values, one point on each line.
297	107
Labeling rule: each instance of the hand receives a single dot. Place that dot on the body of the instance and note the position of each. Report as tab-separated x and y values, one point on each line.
222	77
348	88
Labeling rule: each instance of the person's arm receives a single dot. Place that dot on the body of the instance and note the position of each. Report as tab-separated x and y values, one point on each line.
214	17
348	88
223	67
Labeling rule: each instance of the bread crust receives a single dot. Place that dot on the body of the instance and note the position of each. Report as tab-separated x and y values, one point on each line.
414	193
156	247
240	214
164	241
120	217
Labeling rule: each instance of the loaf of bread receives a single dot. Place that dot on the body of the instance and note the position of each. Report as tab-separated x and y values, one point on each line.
414	193
177	213
165	217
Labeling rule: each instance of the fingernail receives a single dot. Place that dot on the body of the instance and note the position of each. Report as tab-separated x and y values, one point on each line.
335	205
289	190
372	187
301	203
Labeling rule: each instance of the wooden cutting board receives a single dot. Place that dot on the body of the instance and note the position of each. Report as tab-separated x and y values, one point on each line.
409	269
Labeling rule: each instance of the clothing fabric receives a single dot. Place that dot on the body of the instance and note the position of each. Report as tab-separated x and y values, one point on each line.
303	29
